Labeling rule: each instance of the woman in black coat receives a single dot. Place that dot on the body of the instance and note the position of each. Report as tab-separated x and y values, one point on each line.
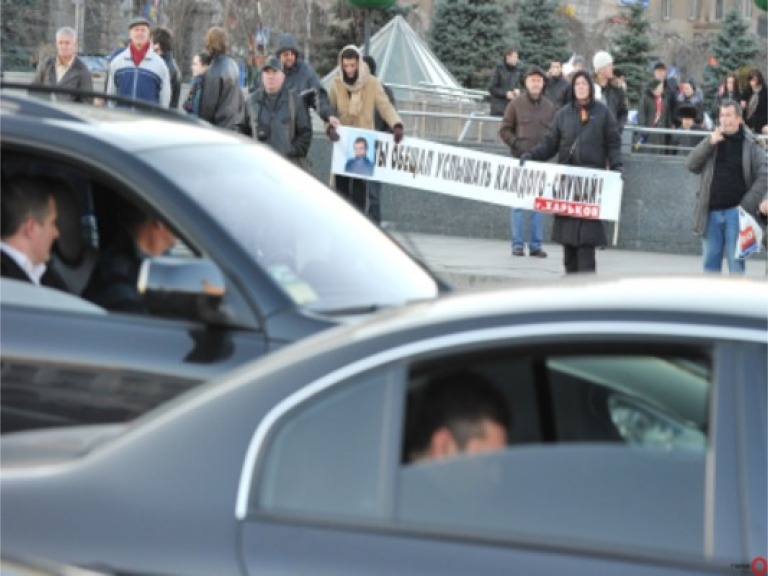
755	102
584	133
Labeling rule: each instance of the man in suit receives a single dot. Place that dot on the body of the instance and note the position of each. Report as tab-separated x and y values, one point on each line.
28	230
66	69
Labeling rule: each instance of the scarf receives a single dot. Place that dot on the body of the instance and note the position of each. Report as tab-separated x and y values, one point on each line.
752	105
355	90
138	53
659	106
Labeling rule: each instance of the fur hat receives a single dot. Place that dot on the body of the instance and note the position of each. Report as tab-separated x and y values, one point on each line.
601	60
687	111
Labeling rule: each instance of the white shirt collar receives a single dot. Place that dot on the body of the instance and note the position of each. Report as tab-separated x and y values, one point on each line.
35	272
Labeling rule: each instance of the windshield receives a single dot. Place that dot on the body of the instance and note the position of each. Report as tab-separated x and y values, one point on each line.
322	251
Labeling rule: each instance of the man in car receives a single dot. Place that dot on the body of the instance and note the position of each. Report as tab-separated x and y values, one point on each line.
454	414
28	229
138	72
113	284
66	69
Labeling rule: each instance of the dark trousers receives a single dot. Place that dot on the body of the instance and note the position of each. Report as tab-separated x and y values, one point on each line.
354	190
579	259
374	201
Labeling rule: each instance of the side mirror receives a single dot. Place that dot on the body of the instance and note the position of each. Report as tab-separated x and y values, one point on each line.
183	287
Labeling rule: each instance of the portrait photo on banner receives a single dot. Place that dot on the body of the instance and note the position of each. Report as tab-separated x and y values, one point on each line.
359	154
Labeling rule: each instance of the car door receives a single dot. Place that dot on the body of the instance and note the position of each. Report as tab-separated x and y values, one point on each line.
613	464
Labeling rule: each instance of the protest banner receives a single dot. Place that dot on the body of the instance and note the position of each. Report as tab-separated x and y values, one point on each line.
425	165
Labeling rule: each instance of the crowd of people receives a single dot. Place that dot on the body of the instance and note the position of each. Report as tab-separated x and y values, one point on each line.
566	112
577	117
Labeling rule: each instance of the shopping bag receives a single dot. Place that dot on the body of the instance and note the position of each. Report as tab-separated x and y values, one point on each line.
750	235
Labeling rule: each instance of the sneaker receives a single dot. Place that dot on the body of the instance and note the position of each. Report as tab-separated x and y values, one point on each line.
537	254
518	252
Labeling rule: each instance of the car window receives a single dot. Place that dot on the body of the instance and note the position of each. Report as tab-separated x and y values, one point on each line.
619	438
322	252
325	458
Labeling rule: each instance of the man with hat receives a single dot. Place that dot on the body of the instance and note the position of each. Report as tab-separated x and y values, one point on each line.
525	123
138	72
301	77
277	116
683	140
608	90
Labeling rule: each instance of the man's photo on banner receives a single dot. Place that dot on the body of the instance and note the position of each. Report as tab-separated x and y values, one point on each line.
359	155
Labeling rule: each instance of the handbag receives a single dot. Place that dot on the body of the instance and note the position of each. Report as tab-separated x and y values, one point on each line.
750	235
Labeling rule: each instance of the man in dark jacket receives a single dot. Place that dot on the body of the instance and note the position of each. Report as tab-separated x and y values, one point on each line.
557	87
505	82
608	89
733	173
162	42
28	230
525	124
65	70
584	133
277	116
221	102
301	77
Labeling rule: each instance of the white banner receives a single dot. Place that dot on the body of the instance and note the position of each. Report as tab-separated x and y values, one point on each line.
416	163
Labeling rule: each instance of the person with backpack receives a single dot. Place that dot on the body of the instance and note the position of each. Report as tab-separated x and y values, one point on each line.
276	115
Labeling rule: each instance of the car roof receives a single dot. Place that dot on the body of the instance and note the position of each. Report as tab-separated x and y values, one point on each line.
121	127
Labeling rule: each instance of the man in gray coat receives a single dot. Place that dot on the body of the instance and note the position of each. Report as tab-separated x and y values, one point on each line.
733	173
277	117
66	69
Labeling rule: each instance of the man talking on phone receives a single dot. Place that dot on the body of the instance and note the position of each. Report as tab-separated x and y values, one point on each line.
733	173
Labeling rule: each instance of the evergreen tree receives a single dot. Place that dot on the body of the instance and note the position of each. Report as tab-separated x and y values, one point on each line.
734	50
632	53
24	29
541	34
347	26
464	34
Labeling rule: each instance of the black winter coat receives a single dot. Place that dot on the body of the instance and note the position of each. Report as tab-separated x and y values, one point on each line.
222	102
596	144
78	77
504	79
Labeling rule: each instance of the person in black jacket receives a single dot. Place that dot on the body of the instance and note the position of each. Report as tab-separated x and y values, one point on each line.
506	81
557	87
609	89
755	102
221	101
162	42
277	116
28	230
584	133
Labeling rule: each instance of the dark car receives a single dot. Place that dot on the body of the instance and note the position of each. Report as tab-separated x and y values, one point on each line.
266	255
637	445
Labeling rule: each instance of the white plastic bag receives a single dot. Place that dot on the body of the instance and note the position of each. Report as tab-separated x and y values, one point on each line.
750	235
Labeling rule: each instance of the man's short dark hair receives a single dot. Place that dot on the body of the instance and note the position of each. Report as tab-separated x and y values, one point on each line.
22	197
164	37
363	140
510	50
459	401
350	53
732	104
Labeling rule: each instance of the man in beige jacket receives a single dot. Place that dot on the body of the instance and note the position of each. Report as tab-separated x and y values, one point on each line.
356	96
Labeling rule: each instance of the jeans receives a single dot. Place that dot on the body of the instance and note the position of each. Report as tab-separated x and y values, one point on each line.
720	239
536	232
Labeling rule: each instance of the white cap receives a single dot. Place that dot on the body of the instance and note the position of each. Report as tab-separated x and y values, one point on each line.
601	60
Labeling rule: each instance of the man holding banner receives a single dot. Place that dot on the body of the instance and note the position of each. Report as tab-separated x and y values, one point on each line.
356	96
584	133
525	123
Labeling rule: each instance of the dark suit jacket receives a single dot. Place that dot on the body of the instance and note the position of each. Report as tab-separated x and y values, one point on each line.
78	77
10	269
